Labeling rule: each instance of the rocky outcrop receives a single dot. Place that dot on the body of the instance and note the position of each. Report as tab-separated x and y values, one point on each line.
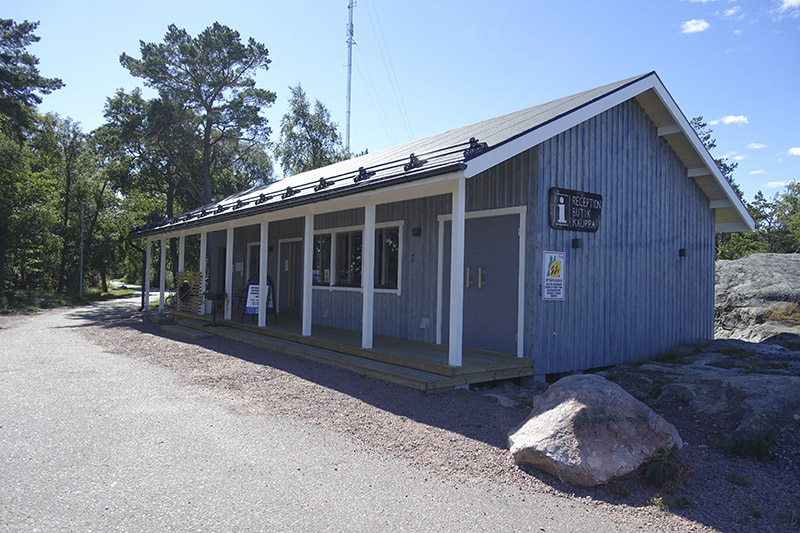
749	288
587	430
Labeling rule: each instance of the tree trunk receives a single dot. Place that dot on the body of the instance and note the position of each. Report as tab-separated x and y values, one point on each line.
208	193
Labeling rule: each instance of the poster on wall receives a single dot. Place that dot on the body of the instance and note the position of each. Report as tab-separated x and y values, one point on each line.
553	276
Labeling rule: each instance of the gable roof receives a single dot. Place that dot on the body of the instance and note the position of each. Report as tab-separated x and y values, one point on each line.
475	148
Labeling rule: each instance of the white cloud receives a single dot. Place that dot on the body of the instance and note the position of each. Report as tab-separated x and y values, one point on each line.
788	5
713	122
694	26
759	171
737	32
729	155
756	146
795	150
739	157
701	1
775	184
731	12
734	119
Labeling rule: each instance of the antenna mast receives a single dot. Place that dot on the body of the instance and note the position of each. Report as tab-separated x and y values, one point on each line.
351	4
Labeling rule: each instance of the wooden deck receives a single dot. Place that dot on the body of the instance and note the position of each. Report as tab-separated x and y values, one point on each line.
415	364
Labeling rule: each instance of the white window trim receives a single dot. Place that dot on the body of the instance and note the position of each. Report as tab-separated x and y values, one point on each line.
250	246
346	229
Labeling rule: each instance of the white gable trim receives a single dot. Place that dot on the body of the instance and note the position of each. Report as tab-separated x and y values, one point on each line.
571	119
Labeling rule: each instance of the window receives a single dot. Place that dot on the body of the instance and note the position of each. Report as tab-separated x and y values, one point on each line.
337	258
348	259
321	273
387	257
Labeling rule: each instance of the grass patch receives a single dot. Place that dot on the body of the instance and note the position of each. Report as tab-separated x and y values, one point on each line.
659	503
738	479
34	300
674	357
736	353
791	313
754	512
750	446
663	467
790	516
679	501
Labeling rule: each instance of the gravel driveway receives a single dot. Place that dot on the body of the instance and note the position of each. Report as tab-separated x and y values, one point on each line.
111	424
92	441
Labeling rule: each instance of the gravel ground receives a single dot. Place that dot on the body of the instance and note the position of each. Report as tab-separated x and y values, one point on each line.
461	434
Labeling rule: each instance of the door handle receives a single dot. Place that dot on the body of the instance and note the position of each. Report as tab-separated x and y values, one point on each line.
467	276
480	277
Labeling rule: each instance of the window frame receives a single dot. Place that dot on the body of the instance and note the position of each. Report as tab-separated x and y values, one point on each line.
333	232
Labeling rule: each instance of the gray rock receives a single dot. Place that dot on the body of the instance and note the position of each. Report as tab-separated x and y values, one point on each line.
749	288
587	430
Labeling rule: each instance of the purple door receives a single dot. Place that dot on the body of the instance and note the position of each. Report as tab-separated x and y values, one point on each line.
491	283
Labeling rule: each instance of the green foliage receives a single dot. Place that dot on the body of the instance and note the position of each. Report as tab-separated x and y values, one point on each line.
309	139
659	503
738	479
663	467
680	501
210	77
791	517
791	313
20	80
747	446
777	220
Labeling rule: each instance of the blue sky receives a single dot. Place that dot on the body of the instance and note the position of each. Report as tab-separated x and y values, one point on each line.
422	67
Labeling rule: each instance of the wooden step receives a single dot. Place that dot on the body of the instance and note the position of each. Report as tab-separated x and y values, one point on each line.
184	331
409	377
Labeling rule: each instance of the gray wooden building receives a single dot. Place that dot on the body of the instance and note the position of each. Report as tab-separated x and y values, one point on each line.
578	233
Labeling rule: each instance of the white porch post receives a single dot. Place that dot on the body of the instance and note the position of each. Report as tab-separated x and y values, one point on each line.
148	250
308	253
457	274
368	275
162	282
203	252
262	275
181	252
229	272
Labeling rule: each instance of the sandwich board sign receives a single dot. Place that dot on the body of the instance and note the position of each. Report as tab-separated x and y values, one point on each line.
251	304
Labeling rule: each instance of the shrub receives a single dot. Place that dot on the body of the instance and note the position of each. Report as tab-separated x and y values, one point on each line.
663	467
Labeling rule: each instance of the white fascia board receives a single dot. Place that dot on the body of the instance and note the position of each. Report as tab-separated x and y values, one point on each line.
524	142
748	224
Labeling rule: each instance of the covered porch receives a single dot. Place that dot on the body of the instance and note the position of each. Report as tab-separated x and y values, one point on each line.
420	365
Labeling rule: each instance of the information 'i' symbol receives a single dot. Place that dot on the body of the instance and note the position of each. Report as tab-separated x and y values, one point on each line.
562	211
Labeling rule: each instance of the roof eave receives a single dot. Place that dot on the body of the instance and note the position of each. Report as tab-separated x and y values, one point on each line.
504	151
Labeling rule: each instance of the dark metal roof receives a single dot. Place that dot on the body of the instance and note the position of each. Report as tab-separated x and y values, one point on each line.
438	154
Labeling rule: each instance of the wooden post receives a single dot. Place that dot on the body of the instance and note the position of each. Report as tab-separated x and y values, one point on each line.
162	282
181	252
308	253
148	250
229	272
262	275
203	253
457	274
368	275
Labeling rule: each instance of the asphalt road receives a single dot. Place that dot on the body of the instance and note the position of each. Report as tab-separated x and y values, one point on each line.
91	441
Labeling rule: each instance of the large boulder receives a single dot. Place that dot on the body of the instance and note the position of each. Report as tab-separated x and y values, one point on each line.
749	288
587	430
